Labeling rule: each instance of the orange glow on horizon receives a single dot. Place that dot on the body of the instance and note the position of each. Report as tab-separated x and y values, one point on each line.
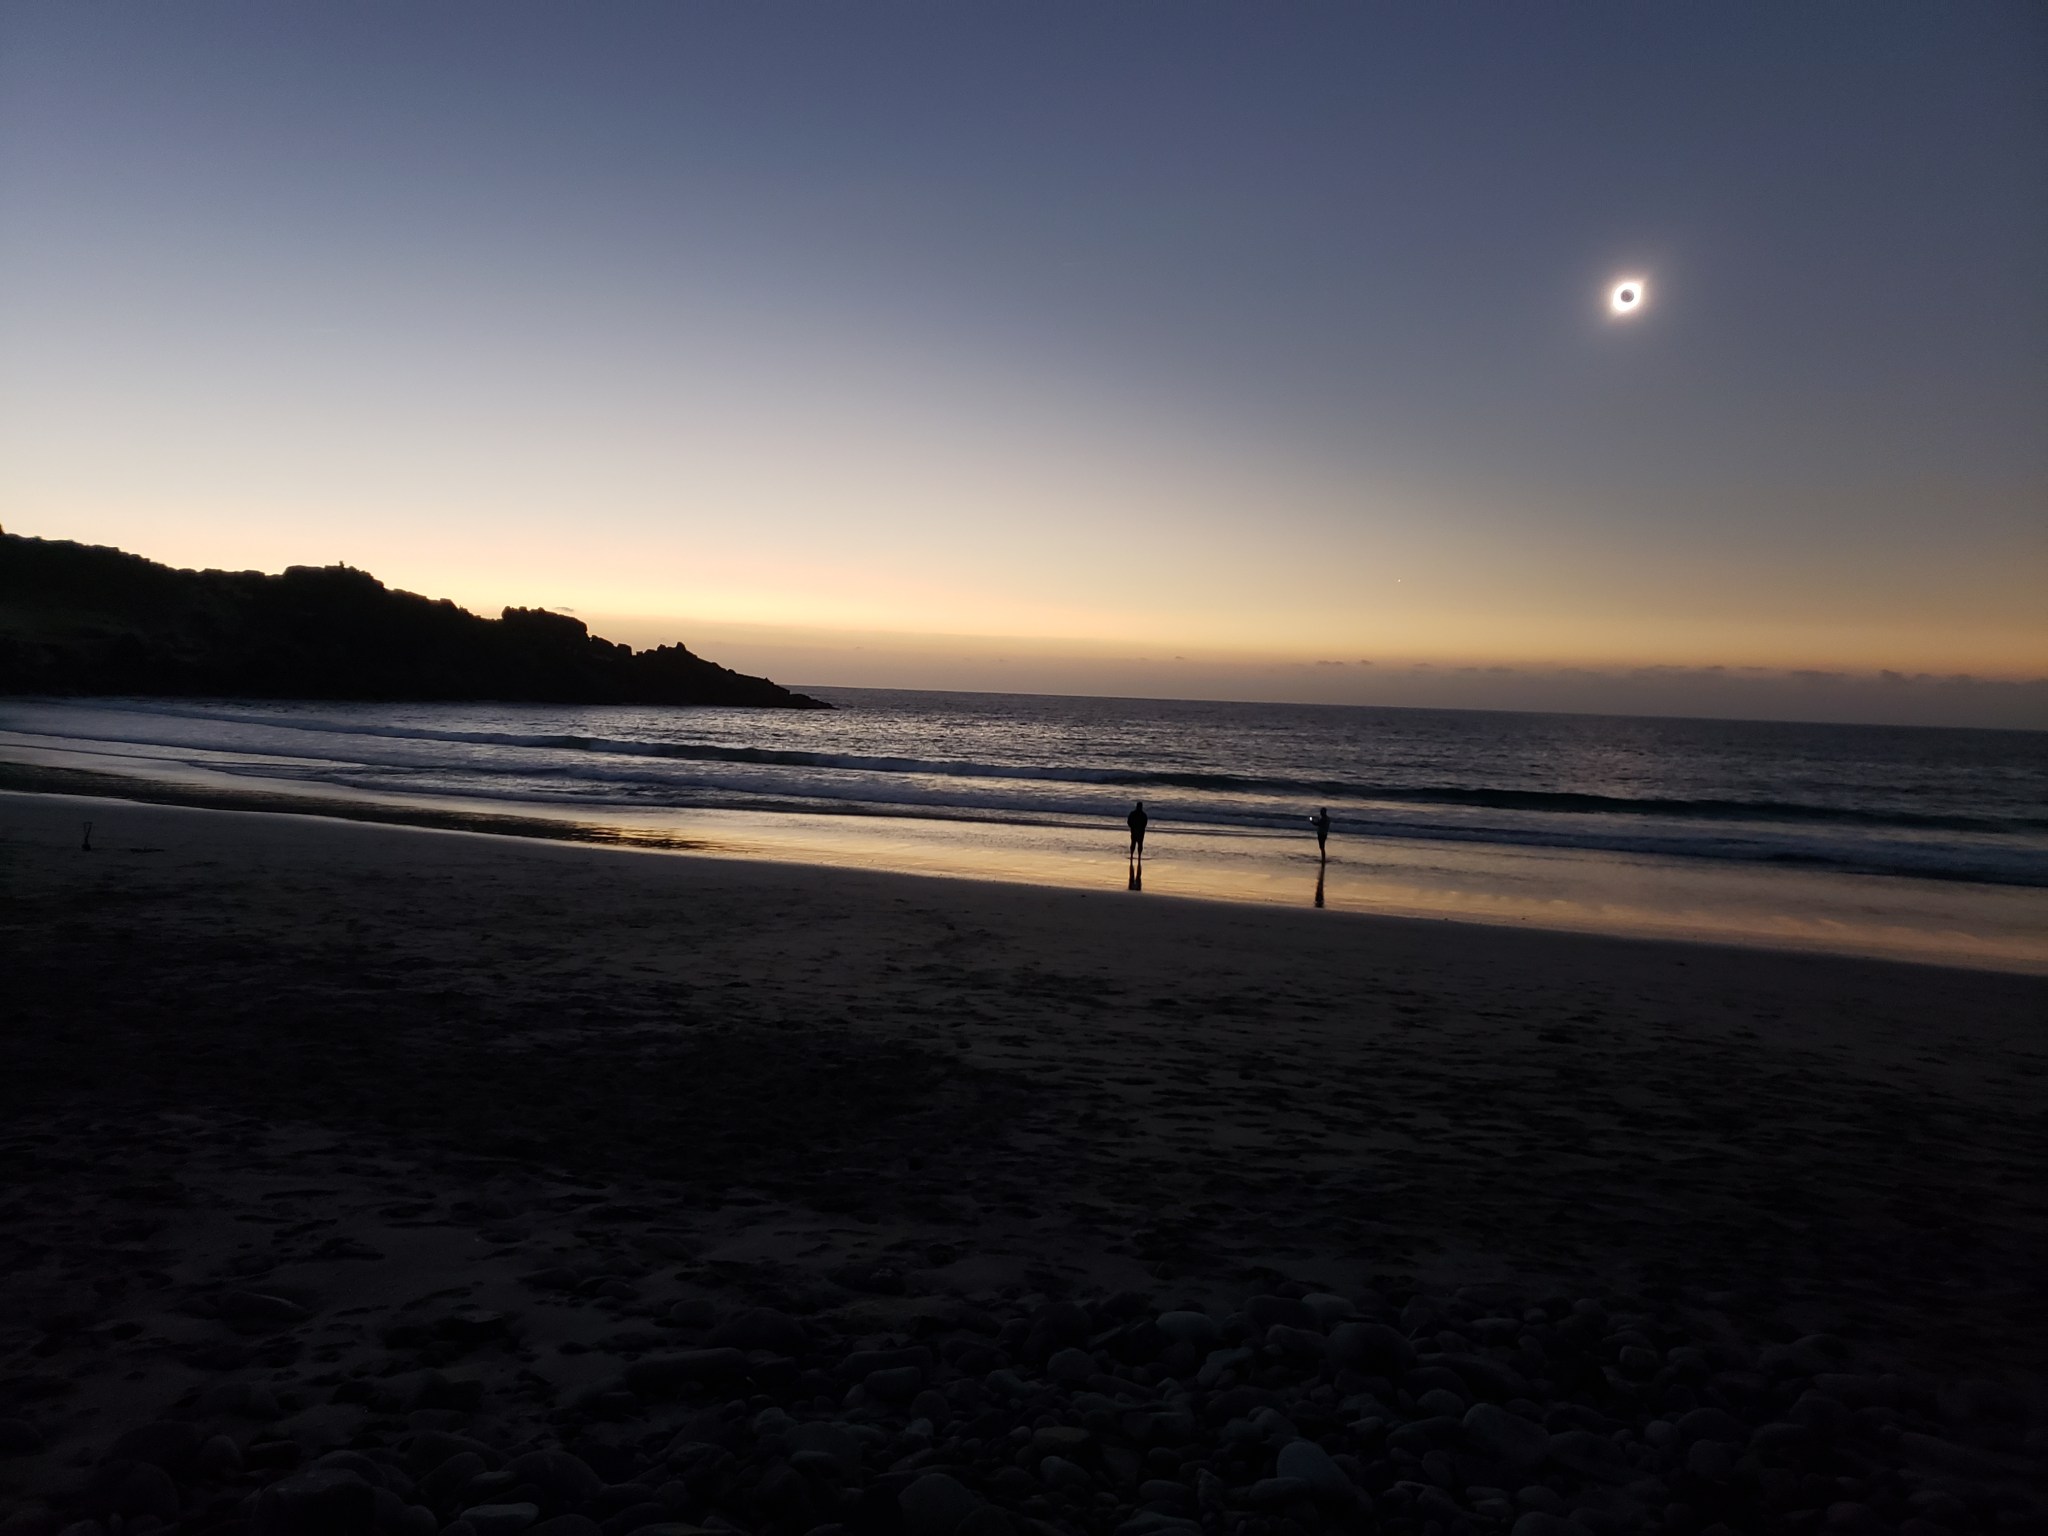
1228	616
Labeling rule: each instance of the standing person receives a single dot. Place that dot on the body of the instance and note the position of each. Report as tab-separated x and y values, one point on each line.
1137	820
1321	822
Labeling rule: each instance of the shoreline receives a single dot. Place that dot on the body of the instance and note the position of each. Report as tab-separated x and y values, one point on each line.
1934	932
86	784
324	1139
569	837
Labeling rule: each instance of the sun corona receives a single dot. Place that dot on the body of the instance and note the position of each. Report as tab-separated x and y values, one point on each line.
1627	296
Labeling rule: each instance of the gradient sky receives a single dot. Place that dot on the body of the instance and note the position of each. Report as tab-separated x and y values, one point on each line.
1112	331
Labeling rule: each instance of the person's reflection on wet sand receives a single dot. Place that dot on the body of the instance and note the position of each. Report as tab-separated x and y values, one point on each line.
1136	820
1321	867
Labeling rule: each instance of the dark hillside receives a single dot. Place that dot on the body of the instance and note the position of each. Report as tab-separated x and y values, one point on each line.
80	619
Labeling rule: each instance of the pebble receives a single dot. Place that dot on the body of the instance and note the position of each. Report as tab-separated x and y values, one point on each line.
1221	1361
1071	1366
1159	1491
320	1501
665	1375
762	1328
138	1488
452	1478
1782	1442
1711	1424
171	1444
1309	1463
1046	1415
1296	1343
1060	1440
1711	1460
218	1457
1509	1443
1270	1492
1376	1348
1262	1312
252	1313
898	1384
935	1505
563	1478
501	1519
1438	1401
1418	1437
1197	1328
1330	1308
1590	1455
1485	1377
1946	1455
243	1399
1638	1362
1540	1499
1058	1472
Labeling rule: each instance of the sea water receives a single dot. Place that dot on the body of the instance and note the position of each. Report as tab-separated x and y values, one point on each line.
1925	843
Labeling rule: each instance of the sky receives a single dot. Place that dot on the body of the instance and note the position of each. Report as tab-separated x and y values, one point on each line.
1151	347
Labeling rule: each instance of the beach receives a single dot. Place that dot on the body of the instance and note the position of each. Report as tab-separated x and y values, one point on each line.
1918	845
325	1140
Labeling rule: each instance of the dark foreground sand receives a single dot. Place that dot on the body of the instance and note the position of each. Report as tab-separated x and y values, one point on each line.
679	1194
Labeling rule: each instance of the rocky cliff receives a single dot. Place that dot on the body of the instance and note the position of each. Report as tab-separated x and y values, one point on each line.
81	619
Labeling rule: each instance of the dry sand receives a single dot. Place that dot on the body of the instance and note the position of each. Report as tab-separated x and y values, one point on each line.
522	1098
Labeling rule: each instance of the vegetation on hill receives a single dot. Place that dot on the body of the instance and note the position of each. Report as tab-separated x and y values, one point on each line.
81	619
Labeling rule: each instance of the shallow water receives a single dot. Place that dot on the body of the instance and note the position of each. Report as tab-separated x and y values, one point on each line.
1918	844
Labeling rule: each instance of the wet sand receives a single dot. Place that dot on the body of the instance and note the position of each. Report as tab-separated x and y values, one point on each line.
1619	894
281	1089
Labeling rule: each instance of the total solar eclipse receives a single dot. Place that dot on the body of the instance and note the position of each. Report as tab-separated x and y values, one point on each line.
1627	296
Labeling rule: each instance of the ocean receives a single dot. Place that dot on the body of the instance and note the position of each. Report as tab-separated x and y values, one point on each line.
1669	825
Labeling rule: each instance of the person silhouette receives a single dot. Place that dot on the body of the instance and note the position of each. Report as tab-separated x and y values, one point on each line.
1137	820
1321	822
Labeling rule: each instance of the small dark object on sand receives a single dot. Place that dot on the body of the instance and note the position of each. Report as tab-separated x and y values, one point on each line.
86	846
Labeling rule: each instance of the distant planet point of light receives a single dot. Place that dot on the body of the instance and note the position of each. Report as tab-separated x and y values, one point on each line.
1628	296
